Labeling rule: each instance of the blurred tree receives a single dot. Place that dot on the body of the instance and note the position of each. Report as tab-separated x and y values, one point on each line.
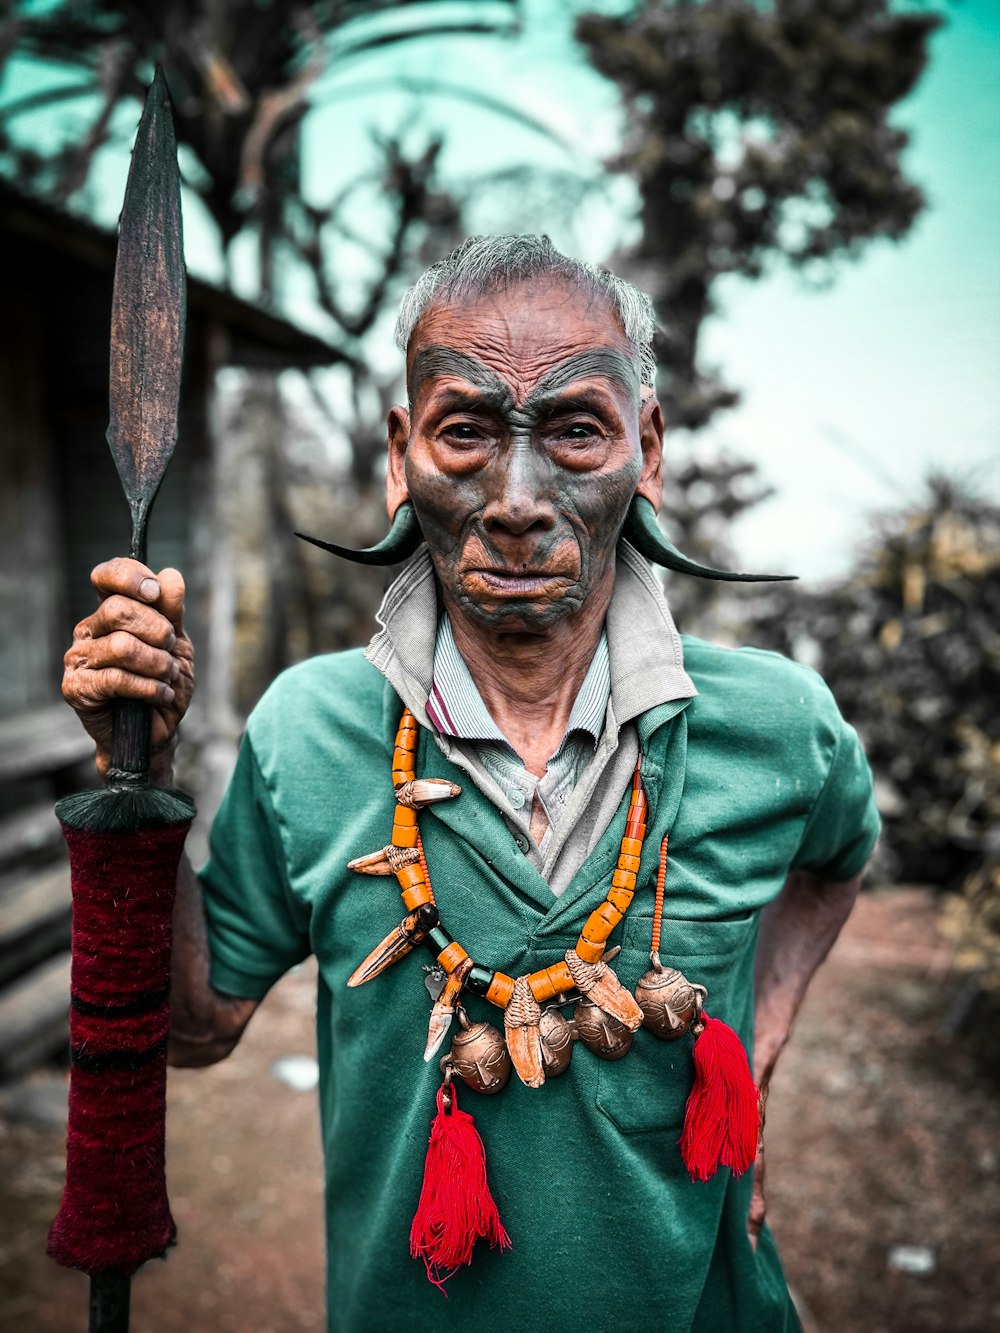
910	644
756	132
702	496
241	74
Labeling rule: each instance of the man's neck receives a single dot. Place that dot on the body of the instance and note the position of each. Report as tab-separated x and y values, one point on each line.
529	681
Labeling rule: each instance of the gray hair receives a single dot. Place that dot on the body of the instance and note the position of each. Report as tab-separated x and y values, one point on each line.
493	263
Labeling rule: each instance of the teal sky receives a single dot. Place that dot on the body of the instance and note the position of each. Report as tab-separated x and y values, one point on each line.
851	394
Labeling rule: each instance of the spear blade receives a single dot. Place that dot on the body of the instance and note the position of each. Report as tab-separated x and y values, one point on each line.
147	314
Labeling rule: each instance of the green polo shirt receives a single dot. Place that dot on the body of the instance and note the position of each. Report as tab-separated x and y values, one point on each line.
754	775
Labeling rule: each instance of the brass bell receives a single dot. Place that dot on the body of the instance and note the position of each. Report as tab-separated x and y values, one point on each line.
601	1032
479	1056
557	1042
668	1001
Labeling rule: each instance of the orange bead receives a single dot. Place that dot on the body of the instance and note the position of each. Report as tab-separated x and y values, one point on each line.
626	862
450	957
403	836
417	896
500	990
620	898
590	953
404	815
410	876
631	846
623	879
551	981
601	923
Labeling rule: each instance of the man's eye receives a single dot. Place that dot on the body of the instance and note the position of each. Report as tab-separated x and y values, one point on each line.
462	431
579	431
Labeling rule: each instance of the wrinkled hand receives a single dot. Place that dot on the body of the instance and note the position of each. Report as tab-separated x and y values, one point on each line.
132	647
758	1201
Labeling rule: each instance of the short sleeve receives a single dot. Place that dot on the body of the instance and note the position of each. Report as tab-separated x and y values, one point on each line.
257	930
843	825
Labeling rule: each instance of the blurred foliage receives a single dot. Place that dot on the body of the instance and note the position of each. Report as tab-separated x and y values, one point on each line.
756	131
702	496
910	645
971	919
242	76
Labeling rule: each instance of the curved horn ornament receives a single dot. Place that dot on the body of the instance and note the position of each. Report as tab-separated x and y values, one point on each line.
646	535
402	539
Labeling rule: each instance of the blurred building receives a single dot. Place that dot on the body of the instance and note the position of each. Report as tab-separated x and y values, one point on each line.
61	511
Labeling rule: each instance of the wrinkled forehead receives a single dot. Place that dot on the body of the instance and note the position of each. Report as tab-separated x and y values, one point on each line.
523	341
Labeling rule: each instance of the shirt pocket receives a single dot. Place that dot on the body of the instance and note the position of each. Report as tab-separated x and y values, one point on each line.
647	1090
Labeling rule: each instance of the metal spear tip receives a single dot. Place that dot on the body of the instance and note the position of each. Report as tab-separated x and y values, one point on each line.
148	311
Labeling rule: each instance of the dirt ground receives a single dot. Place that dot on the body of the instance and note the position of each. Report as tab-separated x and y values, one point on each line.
881	1135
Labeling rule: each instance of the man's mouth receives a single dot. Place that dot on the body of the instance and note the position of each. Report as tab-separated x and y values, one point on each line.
515	581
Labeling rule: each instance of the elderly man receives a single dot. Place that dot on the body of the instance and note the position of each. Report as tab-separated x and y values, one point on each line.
540	673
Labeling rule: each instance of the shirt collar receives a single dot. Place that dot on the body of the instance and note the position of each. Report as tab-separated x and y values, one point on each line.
645	658
455	706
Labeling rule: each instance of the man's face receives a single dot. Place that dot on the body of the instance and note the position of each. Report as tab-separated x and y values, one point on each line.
524	444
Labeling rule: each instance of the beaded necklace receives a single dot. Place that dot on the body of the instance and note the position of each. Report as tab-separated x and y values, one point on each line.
722	1119
582	970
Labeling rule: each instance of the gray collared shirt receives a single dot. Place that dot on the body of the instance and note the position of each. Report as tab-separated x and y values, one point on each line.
645	667
455	708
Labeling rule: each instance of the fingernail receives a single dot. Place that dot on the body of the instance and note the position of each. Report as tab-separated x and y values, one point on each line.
171	643
175	669
150	589
168	694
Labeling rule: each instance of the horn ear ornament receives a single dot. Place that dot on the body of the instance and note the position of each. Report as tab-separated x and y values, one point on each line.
402	539
645	534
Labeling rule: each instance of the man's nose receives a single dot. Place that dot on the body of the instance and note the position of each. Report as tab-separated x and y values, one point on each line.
519	500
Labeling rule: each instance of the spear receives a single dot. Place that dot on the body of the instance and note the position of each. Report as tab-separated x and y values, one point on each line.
125	841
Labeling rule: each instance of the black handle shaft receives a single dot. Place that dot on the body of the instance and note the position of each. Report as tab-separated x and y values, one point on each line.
130	741
109	1303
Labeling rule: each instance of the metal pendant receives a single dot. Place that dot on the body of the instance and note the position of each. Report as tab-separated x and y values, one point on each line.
668	1001
601	1032
557	1042
479	1056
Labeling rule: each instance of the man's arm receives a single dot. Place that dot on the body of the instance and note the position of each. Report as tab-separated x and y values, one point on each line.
204	1025
797	931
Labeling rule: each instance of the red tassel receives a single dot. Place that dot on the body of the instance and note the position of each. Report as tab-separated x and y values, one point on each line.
722	1120
456	1207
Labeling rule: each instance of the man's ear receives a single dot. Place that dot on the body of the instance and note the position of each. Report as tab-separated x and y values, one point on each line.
651	442
395	481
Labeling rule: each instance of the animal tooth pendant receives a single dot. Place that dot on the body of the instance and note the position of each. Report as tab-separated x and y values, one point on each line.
444	1008
599	983
386	861
600	1031
479	1056
668	1000
412	930
420	792
520	1019
557	1037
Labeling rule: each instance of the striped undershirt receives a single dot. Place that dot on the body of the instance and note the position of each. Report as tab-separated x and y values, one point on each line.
455	708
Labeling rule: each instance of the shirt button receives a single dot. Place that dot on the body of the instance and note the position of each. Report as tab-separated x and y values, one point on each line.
522	842
516	798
